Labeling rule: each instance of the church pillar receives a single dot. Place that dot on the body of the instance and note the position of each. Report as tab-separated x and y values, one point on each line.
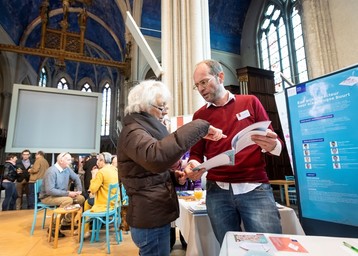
319	37
6	100
137	12
185	41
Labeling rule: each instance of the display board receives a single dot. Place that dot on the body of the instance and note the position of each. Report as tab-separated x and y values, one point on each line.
323	126
54	120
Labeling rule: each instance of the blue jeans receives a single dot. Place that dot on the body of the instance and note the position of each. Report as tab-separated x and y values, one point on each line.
9	202
256	210
152	241
31	197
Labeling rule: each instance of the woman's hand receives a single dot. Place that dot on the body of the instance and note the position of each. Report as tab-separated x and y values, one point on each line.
193	175
180	176
214	134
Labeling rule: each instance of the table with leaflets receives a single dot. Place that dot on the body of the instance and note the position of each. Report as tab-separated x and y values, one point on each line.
196	229
246	244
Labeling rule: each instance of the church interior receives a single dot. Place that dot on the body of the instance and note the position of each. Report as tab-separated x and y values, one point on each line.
264	46
86	46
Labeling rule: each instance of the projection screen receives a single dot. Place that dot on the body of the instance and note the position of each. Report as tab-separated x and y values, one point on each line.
54	120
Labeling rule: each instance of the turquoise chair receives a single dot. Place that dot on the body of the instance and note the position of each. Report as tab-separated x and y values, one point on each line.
124	195
124	202
39	206
111	215
291	190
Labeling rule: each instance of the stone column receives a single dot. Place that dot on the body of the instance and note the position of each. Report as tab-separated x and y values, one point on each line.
6	96
319	37
185	41
137	12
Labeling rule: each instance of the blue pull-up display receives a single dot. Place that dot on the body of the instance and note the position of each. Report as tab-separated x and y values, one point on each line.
323	119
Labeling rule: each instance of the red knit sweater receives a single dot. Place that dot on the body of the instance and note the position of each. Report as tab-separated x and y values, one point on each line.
249	163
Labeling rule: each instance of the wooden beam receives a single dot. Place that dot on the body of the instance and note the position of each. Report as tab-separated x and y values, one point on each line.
57	54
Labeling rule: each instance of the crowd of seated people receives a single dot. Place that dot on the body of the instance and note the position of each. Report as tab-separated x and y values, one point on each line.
62	184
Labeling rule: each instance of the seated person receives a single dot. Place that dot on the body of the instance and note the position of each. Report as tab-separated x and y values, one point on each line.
114	161
54	190
101	178
89	165
8	182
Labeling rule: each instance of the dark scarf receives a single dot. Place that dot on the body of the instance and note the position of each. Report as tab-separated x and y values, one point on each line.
150	123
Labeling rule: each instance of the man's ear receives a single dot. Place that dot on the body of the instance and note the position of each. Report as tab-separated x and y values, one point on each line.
221	76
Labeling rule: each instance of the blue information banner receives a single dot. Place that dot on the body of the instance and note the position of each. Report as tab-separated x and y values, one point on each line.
323	119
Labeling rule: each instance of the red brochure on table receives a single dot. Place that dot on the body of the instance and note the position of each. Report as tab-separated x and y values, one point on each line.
287	244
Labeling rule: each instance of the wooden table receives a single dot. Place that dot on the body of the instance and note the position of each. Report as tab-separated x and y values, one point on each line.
57	215
285	184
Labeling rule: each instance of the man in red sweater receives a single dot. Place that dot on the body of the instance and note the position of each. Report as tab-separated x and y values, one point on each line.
241	192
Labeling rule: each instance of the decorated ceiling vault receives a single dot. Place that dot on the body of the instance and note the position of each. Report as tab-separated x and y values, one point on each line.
84	37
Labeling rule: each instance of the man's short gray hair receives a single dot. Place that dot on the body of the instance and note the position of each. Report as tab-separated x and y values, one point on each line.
146	93
214	66
62	155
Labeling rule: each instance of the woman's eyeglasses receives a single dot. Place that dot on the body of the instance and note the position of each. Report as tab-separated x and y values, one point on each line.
160	108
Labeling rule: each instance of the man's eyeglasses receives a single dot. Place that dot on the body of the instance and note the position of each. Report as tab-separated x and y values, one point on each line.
160	108
203	83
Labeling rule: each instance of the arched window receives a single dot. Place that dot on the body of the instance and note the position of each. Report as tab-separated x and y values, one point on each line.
106	109
43	78
62	84
281	46
86	88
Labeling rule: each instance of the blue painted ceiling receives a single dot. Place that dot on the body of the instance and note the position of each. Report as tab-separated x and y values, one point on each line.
105	33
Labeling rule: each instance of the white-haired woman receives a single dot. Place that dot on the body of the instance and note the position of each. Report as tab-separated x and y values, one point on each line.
146	152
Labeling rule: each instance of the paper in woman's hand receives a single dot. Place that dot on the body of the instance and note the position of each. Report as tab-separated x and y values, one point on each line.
225	158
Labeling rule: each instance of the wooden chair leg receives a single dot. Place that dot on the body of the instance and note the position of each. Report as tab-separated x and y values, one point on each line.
57	230
72	223
79	226
50	228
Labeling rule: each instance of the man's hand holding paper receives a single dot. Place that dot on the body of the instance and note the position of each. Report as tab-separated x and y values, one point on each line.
267	142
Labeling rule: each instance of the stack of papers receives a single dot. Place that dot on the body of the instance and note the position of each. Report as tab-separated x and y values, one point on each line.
71	207
185	193
257	242
197	207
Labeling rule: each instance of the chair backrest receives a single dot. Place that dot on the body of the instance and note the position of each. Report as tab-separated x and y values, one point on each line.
291	188
37	189
289	177
124	197
113	192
